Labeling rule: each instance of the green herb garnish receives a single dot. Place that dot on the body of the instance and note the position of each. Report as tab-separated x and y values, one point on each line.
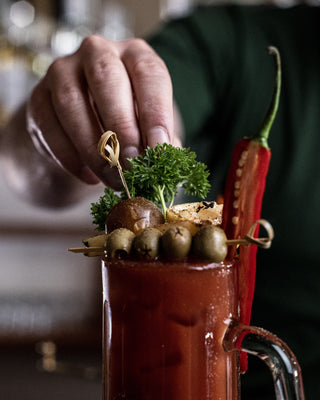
160	171
101	208
156	175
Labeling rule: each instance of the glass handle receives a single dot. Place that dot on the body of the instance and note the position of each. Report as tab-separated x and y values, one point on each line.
274	352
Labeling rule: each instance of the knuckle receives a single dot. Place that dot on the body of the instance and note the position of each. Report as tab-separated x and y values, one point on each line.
101	61
151	65
67	96
100	58
143	58
103	67
91	43
64	93
137	43
56	68
121	121
94	45
123	124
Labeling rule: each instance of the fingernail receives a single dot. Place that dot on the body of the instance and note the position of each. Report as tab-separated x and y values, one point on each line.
130	152
157	134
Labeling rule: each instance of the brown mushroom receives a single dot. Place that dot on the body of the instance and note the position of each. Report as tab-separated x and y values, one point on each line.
135	214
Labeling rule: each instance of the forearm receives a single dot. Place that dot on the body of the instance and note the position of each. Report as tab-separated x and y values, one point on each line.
35	177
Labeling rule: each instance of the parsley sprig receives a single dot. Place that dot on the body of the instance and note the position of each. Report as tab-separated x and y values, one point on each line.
157	175
160	171
101	208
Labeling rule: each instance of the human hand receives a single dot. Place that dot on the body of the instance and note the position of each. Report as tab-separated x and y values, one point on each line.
119	86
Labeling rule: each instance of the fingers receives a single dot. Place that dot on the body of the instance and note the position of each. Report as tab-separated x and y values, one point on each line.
153	91
132	90
111	90
79	125
119	86
49	137
64	127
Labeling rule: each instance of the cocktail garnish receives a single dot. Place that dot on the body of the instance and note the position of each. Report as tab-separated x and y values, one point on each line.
264	242
100	209
160	171
249	239
243	196
109	149
155	175
195	214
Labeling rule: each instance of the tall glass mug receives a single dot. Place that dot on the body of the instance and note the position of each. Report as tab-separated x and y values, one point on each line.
171	332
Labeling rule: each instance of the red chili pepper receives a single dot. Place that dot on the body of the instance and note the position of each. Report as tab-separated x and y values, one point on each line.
243	199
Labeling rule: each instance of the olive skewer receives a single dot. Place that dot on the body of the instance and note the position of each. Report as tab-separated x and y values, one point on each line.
264	242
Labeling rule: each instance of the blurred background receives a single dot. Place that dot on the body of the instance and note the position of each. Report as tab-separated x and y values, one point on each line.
50	300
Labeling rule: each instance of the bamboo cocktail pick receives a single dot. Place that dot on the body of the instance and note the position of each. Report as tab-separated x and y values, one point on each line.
109	149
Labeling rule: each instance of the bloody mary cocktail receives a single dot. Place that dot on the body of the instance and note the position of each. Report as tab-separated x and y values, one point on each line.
164	324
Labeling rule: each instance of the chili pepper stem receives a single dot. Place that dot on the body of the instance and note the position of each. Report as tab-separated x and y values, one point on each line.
263	134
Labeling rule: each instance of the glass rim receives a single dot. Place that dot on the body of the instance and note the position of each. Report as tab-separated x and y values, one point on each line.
184	264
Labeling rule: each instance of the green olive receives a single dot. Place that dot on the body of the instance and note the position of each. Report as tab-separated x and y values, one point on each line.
176	242
210	243
119	242
136	213
146	243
